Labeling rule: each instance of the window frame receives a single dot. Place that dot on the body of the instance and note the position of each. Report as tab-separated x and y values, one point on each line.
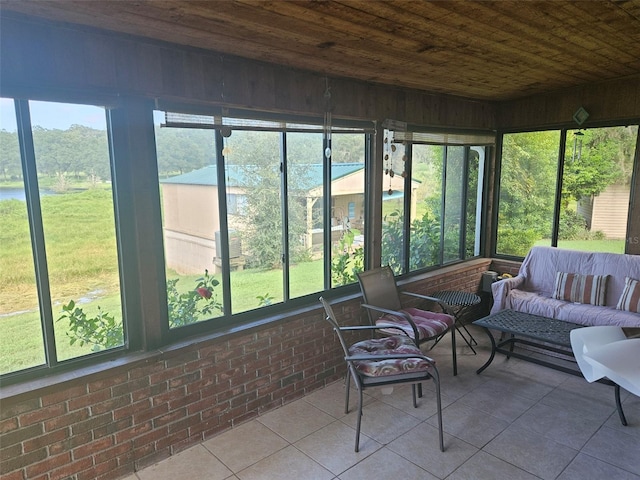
564	130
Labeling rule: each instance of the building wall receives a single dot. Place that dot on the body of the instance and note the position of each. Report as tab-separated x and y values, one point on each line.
610	212
108	424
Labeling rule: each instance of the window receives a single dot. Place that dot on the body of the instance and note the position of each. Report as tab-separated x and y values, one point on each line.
59	270
579	203
440	185
246	221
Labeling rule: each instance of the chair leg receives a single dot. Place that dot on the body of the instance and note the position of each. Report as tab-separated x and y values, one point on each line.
453	349
420	390
436	379
347	382
413	393
359	420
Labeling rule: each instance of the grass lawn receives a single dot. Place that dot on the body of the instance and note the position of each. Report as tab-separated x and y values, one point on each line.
611	246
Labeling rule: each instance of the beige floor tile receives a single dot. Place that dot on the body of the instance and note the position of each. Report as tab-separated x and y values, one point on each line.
498	401
130	477
386	464
245	445
421	446
382	422
296	420
333	447
195	463
617	448
520	383
531	452
584	467
563	426
402	399
287	464
631	407
573	397
468	424
331	399
483	466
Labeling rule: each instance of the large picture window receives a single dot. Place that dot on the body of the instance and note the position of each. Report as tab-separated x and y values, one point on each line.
440	186
246	222
59	271
569	189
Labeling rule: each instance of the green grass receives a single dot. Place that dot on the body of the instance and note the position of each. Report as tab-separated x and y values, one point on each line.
611	246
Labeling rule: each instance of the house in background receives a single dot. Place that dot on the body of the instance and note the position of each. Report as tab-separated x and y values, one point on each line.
607	212
191	234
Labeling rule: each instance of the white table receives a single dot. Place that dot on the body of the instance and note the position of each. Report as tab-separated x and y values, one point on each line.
604	351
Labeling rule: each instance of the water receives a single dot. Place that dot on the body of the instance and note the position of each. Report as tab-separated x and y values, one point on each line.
18	193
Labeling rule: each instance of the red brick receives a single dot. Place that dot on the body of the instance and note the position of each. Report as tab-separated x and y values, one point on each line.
108	382
66	419
111	428
171	439
121	471
109	405
49	464
184	400
8	425
64	394
8	410
182	359
169	396
89	399
42	414
184	379
150	437
130	386
98	470
17	475
16	463
184	423
147	455
151	391
70	443
46	439
21	435
123	450
92	447
129	410
91	423
11	451
133	432
150	413
172	416
166	374
70	469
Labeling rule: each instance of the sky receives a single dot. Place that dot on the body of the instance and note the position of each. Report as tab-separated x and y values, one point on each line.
54	115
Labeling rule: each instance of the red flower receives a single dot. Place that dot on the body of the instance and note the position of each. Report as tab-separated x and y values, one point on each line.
204	292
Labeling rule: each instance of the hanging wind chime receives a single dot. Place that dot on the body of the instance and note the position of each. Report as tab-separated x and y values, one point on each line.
327	120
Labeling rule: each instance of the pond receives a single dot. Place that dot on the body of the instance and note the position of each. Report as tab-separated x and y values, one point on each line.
18	193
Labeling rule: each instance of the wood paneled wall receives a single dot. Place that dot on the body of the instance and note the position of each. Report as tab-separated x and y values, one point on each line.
43	59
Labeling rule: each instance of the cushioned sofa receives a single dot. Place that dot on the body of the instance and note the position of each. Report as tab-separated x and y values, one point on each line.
589	288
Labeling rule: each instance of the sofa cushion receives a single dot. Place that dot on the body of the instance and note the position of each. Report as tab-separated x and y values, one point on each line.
541	264
583	314
630	298
574	287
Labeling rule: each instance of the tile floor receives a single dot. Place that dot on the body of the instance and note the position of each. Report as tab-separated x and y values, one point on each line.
516	420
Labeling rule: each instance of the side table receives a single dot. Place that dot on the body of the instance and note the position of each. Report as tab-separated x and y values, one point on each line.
459	301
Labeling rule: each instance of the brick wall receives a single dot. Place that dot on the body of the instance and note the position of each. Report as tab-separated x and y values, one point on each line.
109	424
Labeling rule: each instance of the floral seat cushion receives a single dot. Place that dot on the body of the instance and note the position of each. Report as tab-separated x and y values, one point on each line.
429	324
388	346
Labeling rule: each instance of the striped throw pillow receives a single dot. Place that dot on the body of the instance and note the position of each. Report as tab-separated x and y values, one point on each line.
630	298
574	287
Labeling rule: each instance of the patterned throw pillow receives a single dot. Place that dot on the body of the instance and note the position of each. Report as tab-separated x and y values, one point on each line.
630	298
574	287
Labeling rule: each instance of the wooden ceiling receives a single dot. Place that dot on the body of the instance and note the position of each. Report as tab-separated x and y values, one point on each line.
488	50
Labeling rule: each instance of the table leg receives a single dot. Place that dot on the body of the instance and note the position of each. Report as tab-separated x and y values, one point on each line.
493	351
623	420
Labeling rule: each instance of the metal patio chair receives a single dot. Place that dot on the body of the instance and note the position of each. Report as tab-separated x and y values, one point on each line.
389	360
382	302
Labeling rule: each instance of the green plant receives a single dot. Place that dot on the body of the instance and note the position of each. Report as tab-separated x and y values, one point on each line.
101	331
265	300
346	261
194	304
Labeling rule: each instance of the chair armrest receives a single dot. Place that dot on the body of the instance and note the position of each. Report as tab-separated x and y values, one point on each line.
446	308
373	327
501	290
